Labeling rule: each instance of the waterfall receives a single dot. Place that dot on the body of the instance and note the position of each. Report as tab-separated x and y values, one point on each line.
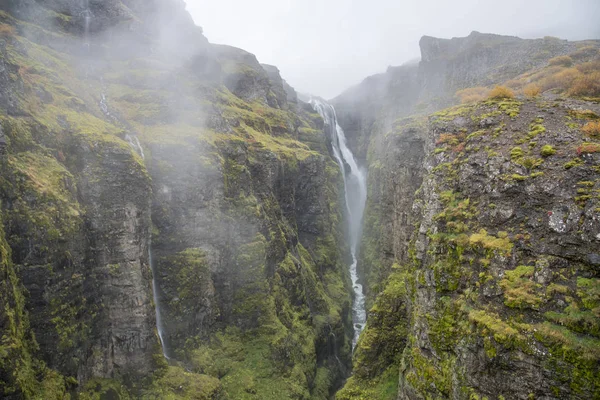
87	19
135	144
355	188
159	321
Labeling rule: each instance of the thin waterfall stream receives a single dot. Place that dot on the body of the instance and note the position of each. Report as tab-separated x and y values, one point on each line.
135	144
159	321
355	191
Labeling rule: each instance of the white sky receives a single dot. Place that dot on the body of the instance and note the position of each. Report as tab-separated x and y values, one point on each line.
323	47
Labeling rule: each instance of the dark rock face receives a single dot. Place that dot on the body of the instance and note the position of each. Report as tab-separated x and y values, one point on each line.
3	142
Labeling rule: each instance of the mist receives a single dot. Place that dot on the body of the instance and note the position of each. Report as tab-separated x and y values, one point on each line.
325	47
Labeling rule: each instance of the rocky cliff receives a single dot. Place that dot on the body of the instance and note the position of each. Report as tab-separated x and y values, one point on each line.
446	65
125	152
480	248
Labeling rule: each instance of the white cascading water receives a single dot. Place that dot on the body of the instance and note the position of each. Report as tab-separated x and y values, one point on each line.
135	144
159	321
87	16
355	186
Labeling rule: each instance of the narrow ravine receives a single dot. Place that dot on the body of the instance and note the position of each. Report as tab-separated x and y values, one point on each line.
355	187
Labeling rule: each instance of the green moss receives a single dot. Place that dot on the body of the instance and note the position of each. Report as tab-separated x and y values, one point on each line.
520	291
383	387
547	151
510	107
384	337
482	238
576	162
24	375
178	384
492	324
535	129
516	153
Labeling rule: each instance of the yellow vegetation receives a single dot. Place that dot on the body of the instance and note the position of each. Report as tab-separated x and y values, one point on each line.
6	30
532	90
501	92
565	61
472	95
585	52
586	85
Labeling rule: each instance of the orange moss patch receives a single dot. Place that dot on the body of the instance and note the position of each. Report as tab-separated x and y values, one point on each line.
592	129
588	148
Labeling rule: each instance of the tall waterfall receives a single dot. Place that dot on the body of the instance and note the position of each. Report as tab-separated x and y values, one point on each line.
355	187
87	19
159	321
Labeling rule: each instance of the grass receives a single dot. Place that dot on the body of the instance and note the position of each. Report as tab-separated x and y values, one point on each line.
493	324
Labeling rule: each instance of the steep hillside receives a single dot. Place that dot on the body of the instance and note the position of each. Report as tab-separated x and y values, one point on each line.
130	145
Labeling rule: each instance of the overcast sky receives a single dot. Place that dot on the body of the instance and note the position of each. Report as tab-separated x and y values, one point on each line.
323	47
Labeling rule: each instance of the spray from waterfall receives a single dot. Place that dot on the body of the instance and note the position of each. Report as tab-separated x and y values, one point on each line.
355	190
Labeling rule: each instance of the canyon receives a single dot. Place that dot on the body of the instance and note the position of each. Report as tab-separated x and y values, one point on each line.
176	222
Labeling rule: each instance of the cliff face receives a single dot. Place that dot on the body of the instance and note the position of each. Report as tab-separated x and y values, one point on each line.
446	66
487	275
479	253
120	147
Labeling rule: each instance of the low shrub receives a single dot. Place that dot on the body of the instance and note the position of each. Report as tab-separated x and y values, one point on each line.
585	52
589	67
564	61
532	90
472	95
586	85
501	92
563	79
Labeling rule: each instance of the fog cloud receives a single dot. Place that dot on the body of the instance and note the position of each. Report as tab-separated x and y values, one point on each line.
324	46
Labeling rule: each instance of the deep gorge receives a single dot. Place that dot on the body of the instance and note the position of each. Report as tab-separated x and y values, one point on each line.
176	222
